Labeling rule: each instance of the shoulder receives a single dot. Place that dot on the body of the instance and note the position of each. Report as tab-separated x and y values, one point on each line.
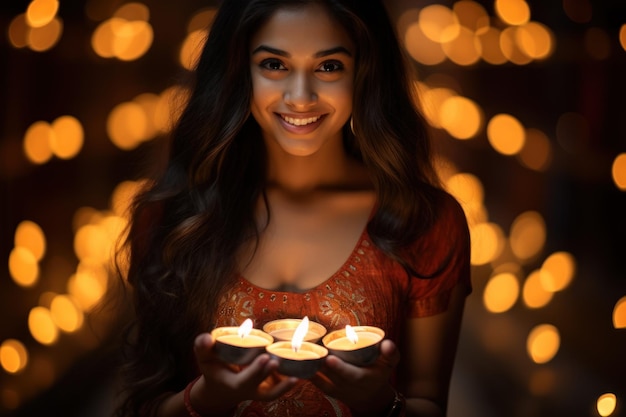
449	219
446	240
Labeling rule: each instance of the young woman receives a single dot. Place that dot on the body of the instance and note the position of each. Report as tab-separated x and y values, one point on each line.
299	183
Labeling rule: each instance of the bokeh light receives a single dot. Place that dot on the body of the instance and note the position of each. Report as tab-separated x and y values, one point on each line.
606	404
618	171
619	314
506	134
557	271
534	294
543	343
42	327
13	356
501	293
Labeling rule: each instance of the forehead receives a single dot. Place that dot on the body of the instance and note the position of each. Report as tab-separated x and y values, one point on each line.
308	28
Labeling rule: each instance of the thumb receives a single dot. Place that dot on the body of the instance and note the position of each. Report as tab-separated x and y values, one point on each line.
389	353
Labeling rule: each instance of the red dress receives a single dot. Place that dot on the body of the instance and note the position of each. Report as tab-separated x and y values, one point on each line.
369	289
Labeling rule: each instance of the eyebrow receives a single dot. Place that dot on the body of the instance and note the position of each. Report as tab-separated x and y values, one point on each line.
320	54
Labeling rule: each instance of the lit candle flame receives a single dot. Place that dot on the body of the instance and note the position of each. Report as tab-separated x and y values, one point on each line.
245	328
351	334
299	334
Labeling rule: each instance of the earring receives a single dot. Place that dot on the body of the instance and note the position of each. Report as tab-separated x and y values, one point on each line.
352	125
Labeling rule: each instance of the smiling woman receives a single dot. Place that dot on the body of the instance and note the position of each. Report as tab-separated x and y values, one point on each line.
299	183
302	67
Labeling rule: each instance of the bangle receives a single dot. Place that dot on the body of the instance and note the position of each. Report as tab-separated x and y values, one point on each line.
187	399
397	407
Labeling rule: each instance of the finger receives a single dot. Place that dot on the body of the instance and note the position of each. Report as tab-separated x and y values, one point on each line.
340	372
277	390
257	371
202	347
389	354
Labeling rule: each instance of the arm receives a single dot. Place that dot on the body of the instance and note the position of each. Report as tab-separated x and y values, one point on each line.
431	349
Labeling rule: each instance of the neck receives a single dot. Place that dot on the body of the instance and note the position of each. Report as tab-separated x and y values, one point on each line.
330	167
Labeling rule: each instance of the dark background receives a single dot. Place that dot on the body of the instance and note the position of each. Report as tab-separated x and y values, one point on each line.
584	211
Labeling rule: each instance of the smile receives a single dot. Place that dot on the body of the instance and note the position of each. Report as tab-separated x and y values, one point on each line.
300	121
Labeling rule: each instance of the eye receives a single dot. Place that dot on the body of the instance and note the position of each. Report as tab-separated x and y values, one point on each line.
331	66
272	65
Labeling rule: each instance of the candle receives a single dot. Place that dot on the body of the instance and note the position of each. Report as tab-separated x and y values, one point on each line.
239	345
357	345
283	330
297	357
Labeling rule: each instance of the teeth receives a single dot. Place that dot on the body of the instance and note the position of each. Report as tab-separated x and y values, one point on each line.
300	122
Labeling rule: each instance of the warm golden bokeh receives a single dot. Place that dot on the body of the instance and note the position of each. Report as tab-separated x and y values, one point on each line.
37	142
512	12
461	117
622	36
41	12
29	235
506	134
68	137
88	286
42	327
464	49
127	125
471	15
133	11
65	314
13	356
527	235
421	48
41	39
535	40
191	48
439	23
606	404
534	294
487	242
491	52
501	292
201	20
619	314
18	31
511	49
23	267
543	343
618	171
557	271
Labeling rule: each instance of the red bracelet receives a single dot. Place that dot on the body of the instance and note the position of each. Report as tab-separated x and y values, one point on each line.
187	400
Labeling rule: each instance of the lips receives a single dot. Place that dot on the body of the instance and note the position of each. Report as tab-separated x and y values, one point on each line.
300	124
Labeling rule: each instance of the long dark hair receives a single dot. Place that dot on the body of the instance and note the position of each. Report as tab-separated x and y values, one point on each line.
188	224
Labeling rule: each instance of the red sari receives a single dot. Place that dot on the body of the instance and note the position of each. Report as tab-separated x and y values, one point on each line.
369	289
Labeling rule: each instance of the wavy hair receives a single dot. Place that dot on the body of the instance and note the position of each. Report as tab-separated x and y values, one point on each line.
188	224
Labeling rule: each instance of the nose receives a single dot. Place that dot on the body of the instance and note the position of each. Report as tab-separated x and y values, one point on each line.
300	91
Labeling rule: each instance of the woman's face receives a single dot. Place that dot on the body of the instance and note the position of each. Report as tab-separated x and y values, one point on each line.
302	67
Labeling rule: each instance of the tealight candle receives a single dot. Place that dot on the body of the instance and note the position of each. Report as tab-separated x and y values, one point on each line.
298	358
283	330
240	345
359	345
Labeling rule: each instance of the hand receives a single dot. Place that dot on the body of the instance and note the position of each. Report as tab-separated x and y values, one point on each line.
366	390
223	386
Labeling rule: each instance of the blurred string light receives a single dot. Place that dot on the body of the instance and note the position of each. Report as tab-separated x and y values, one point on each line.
543	343
127	35
619	314
131	123
618	171
622	36
63	138
197	31
465	35
13	356
39	28
606	404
